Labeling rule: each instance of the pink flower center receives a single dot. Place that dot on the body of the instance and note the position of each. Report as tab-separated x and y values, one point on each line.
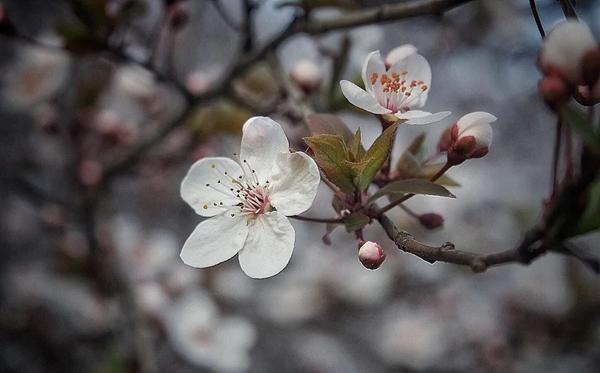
256	201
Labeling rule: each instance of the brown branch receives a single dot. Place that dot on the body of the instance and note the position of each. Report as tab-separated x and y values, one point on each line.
524	253
383	13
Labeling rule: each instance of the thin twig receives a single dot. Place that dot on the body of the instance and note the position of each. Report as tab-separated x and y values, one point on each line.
538	20
317	220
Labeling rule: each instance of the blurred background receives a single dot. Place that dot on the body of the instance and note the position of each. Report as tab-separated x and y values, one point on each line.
90	277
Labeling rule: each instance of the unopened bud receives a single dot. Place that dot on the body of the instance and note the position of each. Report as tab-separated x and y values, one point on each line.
178	15
398	54
445	140
371	255
307	75
554	90
564	49
431	220
471	137
590	67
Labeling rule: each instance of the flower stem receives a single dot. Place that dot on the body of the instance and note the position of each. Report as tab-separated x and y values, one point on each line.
391	205
317	220
537	18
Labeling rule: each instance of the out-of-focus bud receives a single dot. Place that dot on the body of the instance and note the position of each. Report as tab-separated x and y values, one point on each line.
307	75
431	220
371	254
6	26
197	82
178	15
398	54
554	90
565	47
90	172
590	67
471	137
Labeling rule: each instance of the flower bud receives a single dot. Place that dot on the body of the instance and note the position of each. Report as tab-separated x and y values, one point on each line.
590	67
564	49
445	140
90	173
398	54
371	255
197	82
554	90
431	220
307	75
178	15
471	137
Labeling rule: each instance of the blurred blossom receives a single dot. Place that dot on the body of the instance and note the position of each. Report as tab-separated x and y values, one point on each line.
307	75
145	254
416	337
36	74
151	297
320	352
363	40
291	301
76	306
197	82
135	81
357	285
233	285
205	338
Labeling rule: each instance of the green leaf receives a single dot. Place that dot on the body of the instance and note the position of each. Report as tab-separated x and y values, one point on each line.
320	124
582	126
409	164
332	156
375	157
412	186
356	221
356	149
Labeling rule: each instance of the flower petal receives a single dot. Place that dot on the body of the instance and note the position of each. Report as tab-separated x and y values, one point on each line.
215	240
399	53
262	140
418	117
295	180
216	172
361	98
373	64
269	246
474	119
417	66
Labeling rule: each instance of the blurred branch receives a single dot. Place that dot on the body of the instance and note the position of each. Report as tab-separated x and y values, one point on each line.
537	18
383	13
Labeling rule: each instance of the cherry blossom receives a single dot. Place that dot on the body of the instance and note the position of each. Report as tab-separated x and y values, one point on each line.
247	200
396	90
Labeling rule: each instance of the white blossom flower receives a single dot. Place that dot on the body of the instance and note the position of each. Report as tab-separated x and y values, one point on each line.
248	200
564	48
397	90
307	74
135	81
205	338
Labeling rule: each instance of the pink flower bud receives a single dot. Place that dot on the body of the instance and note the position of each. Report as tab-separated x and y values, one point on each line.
471	137
564	49
371	255
307	75
431	220
398	54
554	90
178	15
197	82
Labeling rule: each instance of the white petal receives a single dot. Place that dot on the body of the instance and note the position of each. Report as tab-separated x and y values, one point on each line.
418	117
473	119
215	240
203	198
361	98
417	66
477	124
262	140
399	53
565	46
373	64
269	246
294	181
